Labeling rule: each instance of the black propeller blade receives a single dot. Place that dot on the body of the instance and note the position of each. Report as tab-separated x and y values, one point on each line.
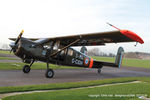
17	40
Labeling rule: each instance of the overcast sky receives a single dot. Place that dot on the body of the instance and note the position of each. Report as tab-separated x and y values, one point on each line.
50	18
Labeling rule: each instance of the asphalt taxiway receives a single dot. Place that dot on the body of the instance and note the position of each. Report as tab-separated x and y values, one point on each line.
18	78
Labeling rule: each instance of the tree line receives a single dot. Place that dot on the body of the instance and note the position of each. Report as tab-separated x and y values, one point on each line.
97	52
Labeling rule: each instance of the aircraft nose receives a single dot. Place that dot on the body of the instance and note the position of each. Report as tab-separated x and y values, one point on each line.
12	44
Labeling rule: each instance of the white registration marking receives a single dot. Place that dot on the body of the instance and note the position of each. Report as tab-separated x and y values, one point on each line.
76	61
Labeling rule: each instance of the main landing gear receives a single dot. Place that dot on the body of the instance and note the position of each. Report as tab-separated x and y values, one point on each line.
49	72
27	68
99	70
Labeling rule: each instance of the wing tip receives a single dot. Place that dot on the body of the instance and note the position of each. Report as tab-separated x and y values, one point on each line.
132	36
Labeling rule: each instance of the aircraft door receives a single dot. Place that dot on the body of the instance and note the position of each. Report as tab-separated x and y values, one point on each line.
62	55
74	58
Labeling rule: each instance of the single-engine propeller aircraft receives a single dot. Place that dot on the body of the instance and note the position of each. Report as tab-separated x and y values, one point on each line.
58	50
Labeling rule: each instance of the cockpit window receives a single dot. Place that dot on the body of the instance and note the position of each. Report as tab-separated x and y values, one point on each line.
56	45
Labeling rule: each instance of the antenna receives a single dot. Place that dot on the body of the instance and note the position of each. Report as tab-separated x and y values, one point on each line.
113	26
136	44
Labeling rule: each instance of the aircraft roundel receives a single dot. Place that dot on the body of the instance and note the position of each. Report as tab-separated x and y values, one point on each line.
86	61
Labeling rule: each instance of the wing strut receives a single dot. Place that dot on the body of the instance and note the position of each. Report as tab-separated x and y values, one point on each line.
64	47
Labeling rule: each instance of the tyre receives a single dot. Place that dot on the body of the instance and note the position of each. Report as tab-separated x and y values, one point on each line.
49	73
26	69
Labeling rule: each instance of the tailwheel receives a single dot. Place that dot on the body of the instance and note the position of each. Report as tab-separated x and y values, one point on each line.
49	73
99	70
26	69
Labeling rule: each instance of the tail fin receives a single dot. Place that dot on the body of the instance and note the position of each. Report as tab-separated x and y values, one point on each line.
119	57
118	61
83	50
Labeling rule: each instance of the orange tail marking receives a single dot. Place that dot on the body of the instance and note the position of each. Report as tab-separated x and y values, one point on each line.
91	63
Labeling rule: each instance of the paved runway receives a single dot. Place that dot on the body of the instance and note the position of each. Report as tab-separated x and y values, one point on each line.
18	78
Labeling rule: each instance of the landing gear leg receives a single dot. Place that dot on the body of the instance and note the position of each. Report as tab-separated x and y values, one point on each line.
49	72
99	70
27	68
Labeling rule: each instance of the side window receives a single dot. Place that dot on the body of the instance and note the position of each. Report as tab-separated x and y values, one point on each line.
70	52
63	52
56	45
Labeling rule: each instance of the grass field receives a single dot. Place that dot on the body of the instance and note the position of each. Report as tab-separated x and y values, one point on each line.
8	58
99	93
127	62
5	52
68	85
18	66
134	89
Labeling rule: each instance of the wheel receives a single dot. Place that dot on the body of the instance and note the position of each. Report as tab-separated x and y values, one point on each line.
99	71
49	73
26	69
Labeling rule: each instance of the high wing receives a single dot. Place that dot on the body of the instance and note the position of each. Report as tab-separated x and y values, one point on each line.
93	39
33	39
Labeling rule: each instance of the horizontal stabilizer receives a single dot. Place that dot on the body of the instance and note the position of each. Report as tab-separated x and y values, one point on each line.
118	60
100	64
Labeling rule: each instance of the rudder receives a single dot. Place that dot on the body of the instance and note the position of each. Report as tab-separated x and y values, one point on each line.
119	57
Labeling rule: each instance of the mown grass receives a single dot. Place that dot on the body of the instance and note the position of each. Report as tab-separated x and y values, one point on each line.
8	58
127	62
39	65
84	94
4	52
63	85
71	84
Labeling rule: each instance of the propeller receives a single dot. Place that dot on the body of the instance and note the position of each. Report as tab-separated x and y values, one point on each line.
16	42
